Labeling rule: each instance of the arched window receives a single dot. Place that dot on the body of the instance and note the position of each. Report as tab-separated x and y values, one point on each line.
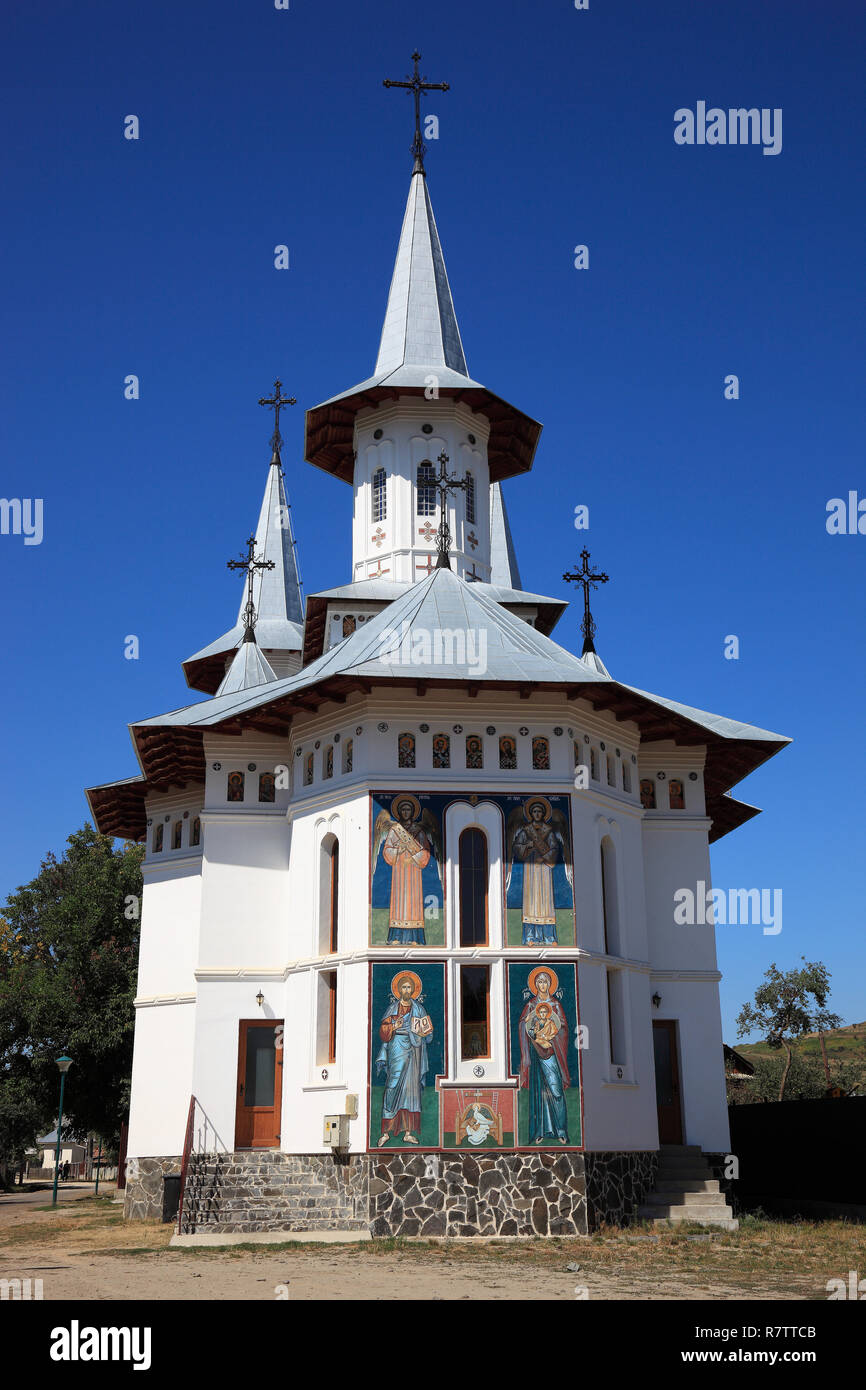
158	833
380	501
406	750
541	755
195	832
329	895
647	794
470	499
348	625
267	787
441	750
474	751
609	901
473	887
426	491
675	795
235	790
177	834
508	753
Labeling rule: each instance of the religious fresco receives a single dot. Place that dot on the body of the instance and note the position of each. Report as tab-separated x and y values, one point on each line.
407	1054
475	1117
542	1026
407	867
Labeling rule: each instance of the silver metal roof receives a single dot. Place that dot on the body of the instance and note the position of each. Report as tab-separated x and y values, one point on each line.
503	560
248	669
385	591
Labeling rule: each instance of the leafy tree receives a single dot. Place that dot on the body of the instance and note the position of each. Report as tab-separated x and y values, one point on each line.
68	958
787	1006
806	1079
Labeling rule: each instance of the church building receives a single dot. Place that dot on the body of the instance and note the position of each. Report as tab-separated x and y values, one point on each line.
409	958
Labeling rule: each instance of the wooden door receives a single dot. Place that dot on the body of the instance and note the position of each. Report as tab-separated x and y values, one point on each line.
667	1081
260	1084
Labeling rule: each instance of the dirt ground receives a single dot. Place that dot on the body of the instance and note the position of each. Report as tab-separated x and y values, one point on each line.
84	1250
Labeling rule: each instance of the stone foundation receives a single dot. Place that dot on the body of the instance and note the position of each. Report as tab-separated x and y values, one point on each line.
454	1193
142	1198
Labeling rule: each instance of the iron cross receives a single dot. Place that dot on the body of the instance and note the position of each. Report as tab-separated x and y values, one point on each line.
274	403
588	580
249	563
443	485
417	84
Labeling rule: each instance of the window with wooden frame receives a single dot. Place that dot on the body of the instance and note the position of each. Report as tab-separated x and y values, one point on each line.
334	896
474	1011
473	864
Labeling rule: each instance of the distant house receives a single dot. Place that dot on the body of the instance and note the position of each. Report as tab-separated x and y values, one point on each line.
737	1067
46	1148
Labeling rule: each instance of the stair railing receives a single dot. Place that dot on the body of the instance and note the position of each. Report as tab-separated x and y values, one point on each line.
201	1139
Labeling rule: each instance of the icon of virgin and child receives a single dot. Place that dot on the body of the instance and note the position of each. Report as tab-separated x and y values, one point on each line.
403	1031
544	1071
408	838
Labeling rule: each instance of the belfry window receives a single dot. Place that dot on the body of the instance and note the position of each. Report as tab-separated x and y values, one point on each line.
474	1011
235	789
380	502
473	887
426	490
470	499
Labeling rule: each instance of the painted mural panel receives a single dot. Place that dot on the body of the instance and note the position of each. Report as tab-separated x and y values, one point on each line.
407	867
477	1118
542	1015
407	1052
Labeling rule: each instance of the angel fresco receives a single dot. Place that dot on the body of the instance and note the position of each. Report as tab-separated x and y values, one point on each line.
407	838
537	837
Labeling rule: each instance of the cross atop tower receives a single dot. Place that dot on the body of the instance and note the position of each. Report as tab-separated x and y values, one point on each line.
588	580
252	566
443	485
275	402
417	84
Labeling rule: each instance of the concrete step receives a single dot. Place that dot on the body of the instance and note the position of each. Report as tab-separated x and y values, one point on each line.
687	1184
685	1212
685	1199
675	1149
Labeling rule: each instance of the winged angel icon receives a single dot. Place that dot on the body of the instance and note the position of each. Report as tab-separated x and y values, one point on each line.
537	838
407	838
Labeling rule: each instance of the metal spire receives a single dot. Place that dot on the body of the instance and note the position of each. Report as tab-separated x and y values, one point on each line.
588	580
249	563
416	84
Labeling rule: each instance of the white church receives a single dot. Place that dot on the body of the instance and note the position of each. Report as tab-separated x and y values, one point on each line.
409	961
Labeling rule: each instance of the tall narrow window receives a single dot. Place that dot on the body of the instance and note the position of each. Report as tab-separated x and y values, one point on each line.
158	833
473	887
675	795
611	771
541	755
177	834
406	750
380	503
326	1018
508	753
609	902
474	751
267	787
334	895
235	789
593	764
648	793
616	1017
470	499
626	777
474	1011
332	1015
195	832
426	491
441	750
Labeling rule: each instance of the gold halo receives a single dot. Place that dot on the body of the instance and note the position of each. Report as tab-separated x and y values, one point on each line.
406	975
405	796
542	970
537	801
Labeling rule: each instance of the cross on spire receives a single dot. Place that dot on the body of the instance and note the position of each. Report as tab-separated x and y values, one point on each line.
275	402
443	485
588	580
249	563
417	84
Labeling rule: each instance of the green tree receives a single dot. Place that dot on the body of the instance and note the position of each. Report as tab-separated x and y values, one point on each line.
68	964
787	1006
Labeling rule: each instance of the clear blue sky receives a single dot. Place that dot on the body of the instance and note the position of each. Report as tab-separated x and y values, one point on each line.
261	127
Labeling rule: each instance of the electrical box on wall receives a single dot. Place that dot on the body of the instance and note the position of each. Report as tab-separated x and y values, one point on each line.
337	1131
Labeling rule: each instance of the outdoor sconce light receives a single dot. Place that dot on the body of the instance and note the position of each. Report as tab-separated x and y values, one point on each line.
657	999
260	999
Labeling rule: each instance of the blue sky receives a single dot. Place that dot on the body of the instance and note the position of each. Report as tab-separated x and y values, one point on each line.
261	127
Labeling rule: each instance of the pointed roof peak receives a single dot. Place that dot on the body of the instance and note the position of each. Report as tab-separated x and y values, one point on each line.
248	669
503	560
420	327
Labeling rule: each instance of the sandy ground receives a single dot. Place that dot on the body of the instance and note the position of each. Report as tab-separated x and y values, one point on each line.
86	1251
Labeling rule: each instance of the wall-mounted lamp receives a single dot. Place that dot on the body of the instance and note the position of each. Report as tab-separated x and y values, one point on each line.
260	999
657	999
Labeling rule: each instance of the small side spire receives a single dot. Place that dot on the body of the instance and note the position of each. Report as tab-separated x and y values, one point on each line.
252	567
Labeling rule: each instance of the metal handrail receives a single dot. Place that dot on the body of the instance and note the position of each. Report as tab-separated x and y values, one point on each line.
187	1149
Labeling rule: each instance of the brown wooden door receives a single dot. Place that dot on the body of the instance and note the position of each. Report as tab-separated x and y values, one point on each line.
260	1084
667	1081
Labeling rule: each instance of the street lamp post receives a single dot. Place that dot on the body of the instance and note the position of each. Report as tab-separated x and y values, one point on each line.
63	1064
